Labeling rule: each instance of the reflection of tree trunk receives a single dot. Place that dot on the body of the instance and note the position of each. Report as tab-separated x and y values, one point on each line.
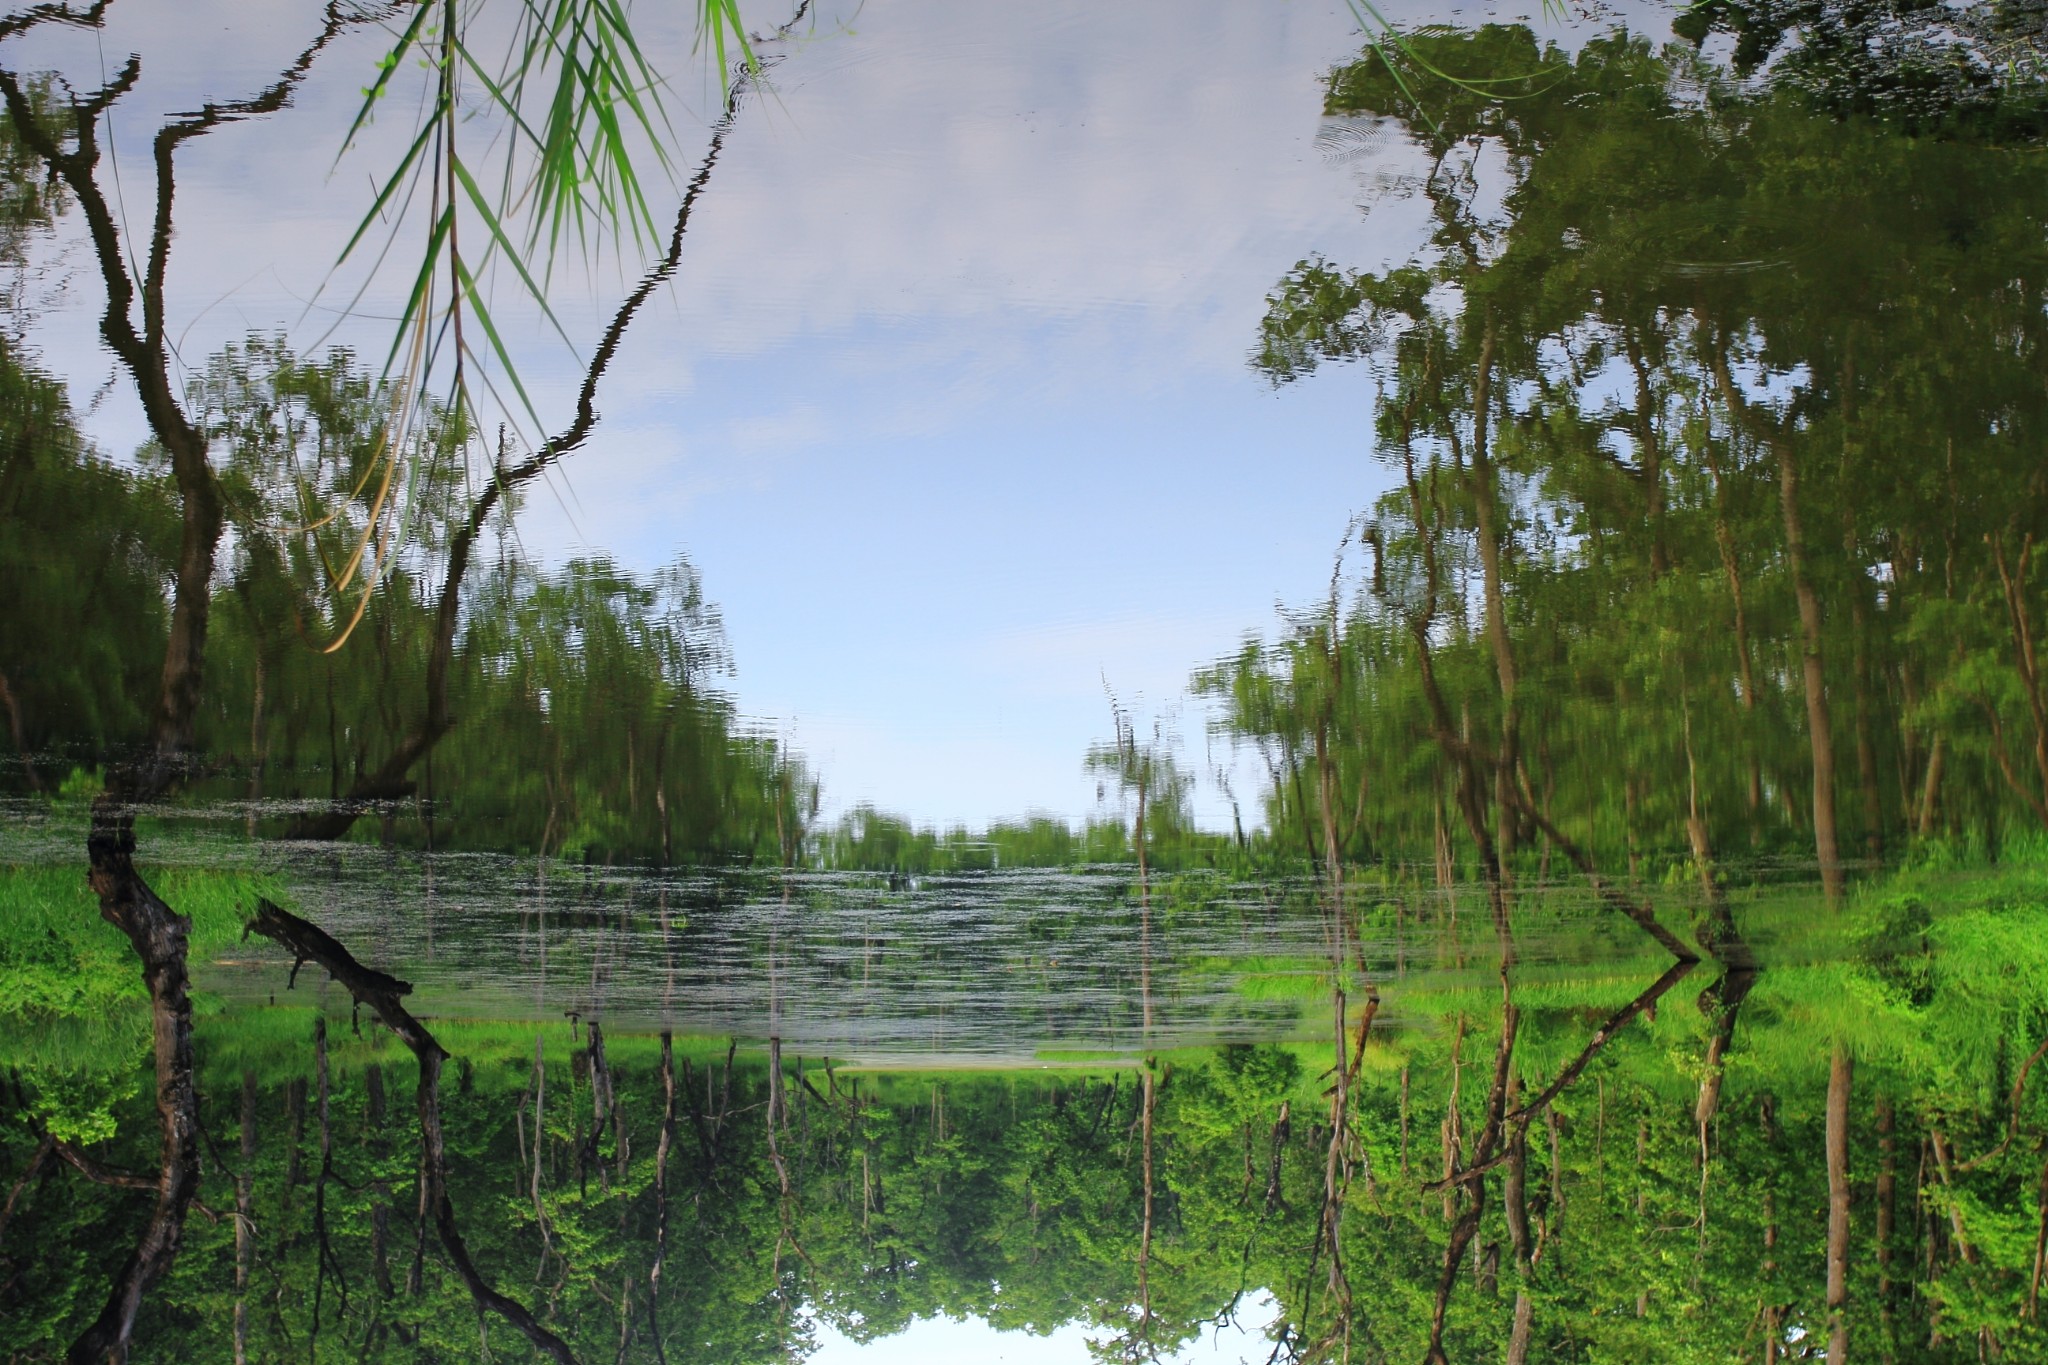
540	1096
19	733
2013	579
1515	1203
1820	732
1819	727
244	1212
1944	1165
1468	1184
602	1106
1887	1197
1724	538
382	993
2040	1247
1866	749
1149	1101
661	1151
1485	485
323	1251
158	935
1930	789
1773	1317
1452	1137
1838	1205
1283	1128
1720	1004
391	779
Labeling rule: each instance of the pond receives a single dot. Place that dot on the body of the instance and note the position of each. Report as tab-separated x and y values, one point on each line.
910	682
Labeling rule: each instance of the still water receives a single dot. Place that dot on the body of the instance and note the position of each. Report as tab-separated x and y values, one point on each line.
744	796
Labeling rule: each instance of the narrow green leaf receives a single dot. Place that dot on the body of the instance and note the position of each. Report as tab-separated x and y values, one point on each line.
497	230
482	312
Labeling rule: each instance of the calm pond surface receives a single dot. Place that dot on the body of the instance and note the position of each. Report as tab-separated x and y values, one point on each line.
900	682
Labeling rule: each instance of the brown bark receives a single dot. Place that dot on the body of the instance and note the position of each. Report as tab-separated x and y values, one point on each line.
1469	1181
1520	1331
2040	1246
1720	1004
1147	1110
1515	1204
1866	748
603	1107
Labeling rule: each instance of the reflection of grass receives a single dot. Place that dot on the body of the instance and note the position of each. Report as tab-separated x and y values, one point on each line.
59	958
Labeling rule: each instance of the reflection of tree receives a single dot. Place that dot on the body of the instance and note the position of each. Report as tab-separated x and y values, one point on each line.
66	143
1672	415
384	996
1580	1216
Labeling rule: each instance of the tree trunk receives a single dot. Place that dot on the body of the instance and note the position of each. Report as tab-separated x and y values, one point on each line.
244	1204
1724	539
1838	1205
1887	1198
1485	485
1773	1314
158	935
1866	749
1930	790
661	1151
1820	731
383	994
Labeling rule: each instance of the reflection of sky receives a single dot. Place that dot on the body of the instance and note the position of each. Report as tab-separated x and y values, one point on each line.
948	1341
949	400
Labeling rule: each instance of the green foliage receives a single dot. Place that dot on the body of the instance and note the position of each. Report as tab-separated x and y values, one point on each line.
1588	402
1018	1197
59	959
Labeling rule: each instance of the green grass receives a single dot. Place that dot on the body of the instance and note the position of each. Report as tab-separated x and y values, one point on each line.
58	958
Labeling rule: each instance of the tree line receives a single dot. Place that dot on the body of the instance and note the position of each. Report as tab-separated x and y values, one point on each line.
1713	423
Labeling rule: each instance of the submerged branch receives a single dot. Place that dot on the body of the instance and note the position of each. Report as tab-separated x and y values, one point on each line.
383	994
